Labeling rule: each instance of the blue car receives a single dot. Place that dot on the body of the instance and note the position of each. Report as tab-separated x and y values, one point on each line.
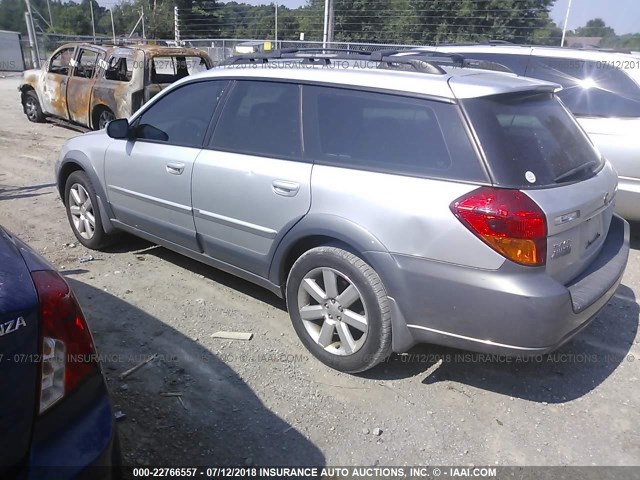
55	415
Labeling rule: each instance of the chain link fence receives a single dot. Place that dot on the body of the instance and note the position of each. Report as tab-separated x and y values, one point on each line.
221	48
217	48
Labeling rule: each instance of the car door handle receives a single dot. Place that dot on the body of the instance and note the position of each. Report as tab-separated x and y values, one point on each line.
286	188
175	168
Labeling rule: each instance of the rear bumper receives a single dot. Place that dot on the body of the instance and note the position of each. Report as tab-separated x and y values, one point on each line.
77	439
513	311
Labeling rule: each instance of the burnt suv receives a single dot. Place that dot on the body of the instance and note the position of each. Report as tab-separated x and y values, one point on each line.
390	200
93	84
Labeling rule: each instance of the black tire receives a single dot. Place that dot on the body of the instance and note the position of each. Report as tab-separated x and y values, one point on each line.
101	117
32	108
99	239
372	295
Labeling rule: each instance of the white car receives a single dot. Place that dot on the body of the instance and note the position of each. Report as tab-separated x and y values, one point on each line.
601	88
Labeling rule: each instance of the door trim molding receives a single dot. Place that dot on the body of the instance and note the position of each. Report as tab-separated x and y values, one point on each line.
235	223
159	201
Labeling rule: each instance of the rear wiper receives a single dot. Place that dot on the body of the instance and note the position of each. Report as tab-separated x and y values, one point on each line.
573	171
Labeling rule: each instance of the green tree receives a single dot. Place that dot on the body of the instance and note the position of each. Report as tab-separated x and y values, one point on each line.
595	28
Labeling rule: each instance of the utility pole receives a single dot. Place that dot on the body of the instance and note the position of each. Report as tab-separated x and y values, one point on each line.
566	20
93	23
142	17
50	17
330	30
113	27
325	32
276	45
176	25
33	40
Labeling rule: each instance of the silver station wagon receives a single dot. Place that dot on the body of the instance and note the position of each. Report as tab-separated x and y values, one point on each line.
391	200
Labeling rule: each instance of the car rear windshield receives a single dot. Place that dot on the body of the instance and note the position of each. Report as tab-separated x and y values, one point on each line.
531	141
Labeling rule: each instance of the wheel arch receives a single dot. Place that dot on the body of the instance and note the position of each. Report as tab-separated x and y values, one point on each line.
322	229
77	161
315	230
95	112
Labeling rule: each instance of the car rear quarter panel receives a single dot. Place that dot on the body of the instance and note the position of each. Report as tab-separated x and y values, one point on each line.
408	215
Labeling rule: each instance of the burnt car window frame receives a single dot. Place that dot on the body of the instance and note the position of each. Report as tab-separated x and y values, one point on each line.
72	60
78	63
116	54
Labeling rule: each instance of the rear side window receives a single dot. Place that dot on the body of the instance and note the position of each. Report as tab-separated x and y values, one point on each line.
261	118
531	140
388	133
591	88
120	66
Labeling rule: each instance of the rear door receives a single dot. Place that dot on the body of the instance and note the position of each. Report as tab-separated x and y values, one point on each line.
18	354
80	84
532	143
250	185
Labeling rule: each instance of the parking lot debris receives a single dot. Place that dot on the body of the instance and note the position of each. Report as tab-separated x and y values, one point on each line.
119	415
132	370
86	258
233	335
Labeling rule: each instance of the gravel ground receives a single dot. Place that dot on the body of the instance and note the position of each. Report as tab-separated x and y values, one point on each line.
267	402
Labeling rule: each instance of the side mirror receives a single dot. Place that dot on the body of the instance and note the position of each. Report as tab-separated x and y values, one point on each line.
118	128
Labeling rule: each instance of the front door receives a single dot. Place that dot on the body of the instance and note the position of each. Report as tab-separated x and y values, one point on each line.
53	86
149	176
250	185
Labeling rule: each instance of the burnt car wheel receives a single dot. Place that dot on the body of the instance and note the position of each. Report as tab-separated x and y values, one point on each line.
104	117
32	108
339	309
83	212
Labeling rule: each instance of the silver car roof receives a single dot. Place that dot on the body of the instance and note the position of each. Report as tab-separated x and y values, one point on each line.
454	83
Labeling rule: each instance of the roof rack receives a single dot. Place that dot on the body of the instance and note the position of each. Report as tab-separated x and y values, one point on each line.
459	61
385	58
423	61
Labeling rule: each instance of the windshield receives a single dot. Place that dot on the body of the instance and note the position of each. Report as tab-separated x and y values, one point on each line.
530	140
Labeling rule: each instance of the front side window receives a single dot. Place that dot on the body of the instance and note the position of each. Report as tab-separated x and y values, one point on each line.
182	116
590	88
530	140
261	118
389	133
61	62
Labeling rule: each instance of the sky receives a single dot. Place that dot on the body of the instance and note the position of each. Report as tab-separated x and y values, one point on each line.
624	17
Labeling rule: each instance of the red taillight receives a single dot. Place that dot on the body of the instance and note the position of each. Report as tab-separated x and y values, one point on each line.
68	352
508	221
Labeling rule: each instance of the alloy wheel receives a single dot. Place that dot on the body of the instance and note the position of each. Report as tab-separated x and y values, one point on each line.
105	117
81	208
333	311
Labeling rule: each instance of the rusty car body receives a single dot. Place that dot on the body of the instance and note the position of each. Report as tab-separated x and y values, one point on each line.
92	84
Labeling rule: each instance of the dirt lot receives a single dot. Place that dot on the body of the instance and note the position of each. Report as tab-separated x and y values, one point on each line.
267	402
